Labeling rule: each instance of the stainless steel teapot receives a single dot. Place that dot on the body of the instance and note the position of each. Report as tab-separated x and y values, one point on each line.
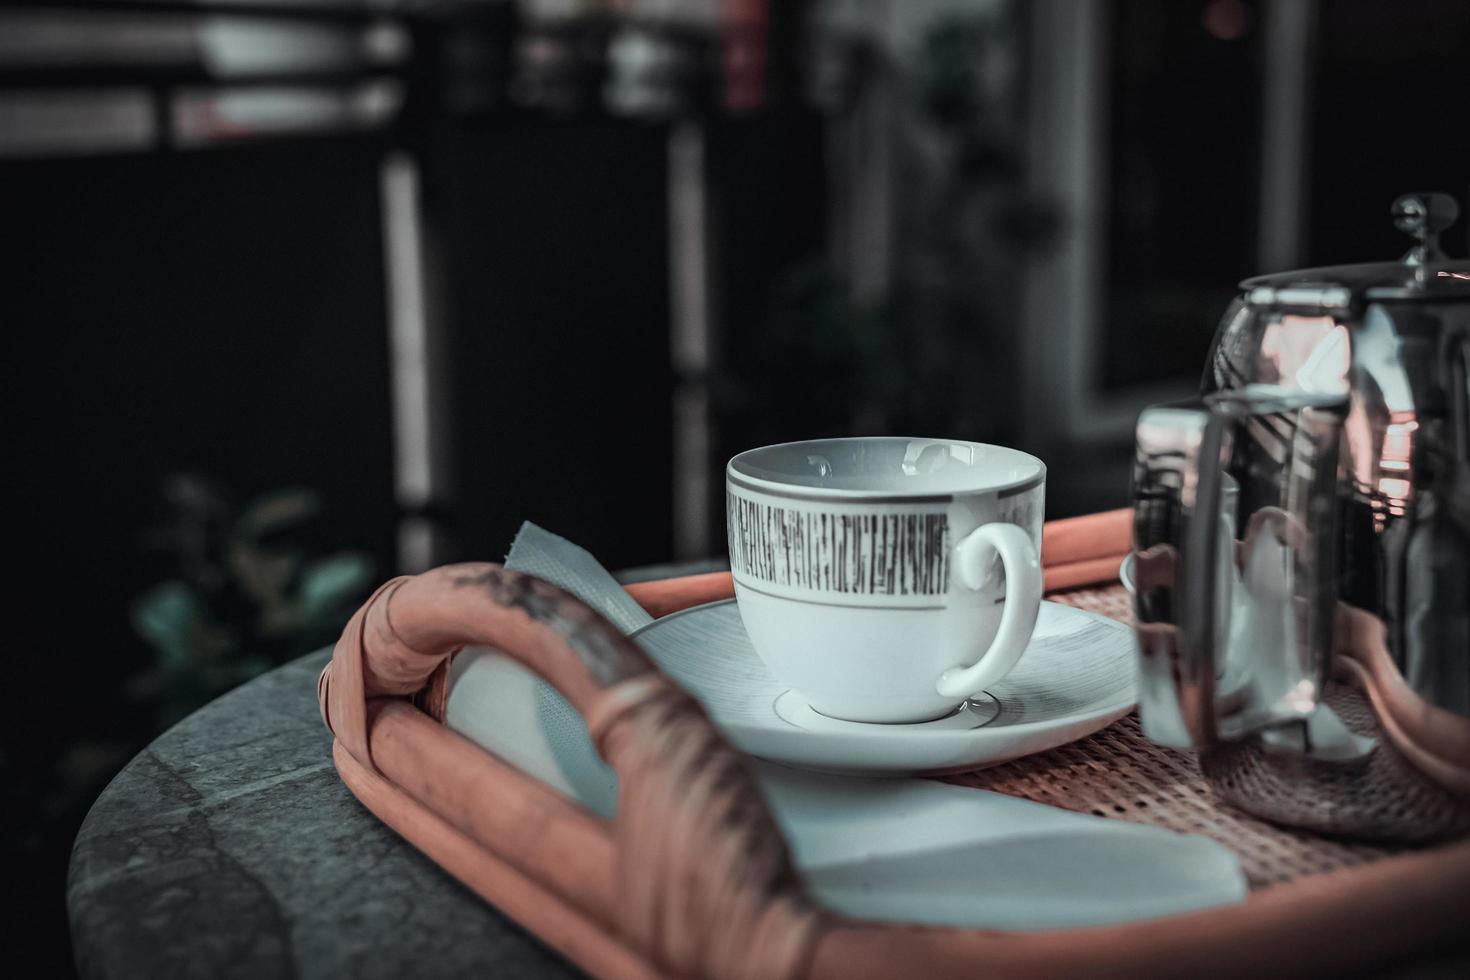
1302	547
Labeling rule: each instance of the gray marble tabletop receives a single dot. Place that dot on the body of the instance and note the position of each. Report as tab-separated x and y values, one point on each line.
229	848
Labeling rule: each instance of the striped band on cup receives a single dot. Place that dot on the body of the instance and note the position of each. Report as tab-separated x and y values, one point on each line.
853	551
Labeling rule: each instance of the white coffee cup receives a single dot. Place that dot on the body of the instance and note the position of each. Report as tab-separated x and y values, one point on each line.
886	579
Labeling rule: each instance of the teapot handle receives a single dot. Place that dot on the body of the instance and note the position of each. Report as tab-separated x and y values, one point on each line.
1233	634
1176	677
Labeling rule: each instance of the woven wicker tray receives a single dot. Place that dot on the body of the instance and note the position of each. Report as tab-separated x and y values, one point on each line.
692	877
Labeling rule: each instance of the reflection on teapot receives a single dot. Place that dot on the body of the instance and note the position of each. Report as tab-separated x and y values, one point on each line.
1320	661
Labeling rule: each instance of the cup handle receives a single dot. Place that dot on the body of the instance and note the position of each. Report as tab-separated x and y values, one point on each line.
1022	603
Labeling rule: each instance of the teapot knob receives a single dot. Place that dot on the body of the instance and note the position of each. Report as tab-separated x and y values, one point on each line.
1424	216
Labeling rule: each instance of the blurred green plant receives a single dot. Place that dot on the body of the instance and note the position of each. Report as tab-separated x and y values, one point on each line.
247	593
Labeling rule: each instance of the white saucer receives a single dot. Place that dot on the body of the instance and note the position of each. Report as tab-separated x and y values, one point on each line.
1125	573
1075	678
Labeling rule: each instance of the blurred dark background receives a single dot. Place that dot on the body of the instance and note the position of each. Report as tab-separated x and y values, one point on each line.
299	294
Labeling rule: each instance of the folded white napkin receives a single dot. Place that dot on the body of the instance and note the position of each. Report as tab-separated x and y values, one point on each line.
895	849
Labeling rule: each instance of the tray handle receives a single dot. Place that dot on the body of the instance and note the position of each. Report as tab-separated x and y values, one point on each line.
706	885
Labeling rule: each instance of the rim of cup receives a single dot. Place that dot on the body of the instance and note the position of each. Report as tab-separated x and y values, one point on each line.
743	470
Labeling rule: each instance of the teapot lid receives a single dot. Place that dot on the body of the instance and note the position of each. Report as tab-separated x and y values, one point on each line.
1423	273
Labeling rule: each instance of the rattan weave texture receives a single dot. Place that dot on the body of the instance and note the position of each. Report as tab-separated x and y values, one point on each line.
1118	773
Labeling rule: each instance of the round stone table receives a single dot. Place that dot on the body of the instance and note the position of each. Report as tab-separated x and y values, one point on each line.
229	848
